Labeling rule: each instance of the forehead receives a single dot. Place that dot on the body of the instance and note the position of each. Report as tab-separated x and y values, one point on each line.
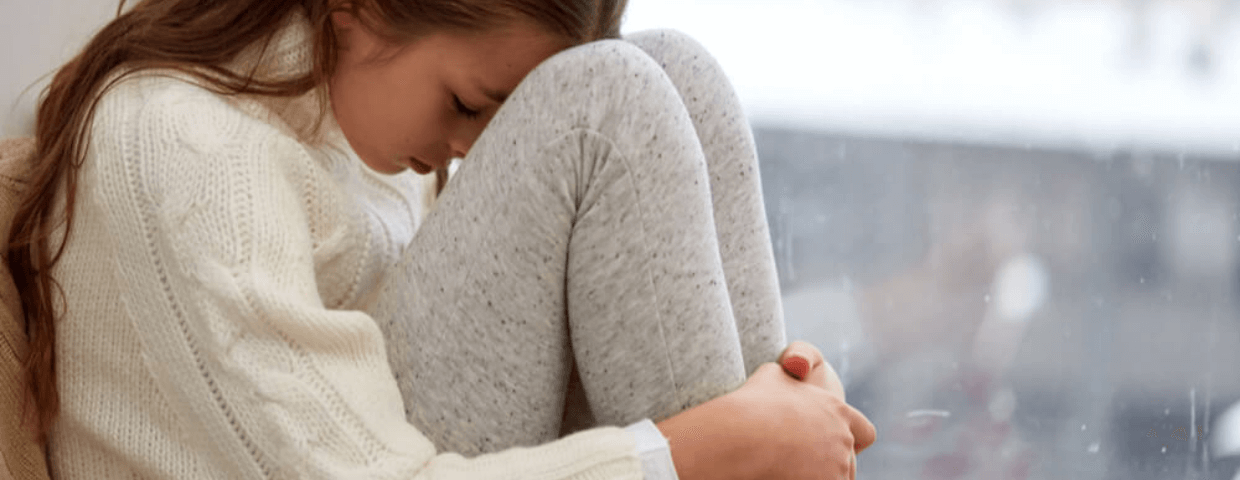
497	58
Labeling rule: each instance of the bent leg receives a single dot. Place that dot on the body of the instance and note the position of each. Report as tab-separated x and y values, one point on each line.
579	228
735	186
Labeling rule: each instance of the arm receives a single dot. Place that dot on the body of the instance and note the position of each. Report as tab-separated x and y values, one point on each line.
208	209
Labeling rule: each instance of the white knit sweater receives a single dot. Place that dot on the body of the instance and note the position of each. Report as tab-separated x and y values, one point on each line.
220	251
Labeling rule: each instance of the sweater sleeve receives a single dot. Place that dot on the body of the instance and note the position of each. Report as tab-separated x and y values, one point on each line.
208	209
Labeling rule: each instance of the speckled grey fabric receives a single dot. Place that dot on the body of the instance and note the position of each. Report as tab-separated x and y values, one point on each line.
606	227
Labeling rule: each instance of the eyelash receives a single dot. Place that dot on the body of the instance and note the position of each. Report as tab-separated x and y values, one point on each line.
463	110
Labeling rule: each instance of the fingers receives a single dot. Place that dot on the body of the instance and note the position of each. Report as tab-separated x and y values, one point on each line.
804	362
825	414
797	366
800	360
767	373
864	433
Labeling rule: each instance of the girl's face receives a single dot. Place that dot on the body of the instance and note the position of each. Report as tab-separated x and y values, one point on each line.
420	105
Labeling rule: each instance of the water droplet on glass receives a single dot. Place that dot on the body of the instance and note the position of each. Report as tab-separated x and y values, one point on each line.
1002	404
986	299
1142	279
928	413
1021	286
1082	427
1166	411
1164	450
1094	447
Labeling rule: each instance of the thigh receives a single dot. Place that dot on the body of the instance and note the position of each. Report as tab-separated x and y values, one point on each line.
735	185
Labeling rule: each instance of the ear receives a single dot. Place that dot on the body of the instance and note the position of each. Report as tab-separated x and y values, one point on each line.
343	19
351	32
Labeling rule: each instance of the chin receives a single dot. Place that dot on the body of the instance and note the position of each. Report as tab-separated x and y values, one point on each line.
389	168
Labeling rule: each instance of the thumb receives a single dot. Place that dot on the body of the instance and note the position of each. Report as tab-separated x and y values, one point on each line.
804	362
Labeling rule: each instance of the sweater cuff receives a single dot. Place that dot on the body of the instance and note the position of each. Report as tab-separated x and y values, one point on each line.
653	450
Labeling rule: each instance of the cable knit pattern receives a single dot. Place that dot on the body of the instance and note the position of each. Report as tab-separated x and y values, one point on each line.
220	249
21	458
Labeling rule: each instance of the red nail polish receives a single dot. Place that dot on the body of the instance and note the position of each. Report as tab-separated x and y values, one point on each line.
796	366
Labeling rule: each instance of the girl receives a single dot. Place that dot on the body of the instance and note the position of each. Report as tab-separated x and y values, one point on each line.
221	229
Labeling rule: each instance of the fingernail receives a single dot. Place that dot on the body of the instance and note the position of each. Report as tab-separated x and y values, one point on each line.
797	366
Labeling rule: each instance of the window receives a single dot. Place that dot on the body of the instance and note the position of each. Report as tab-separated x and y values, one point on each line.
1013	227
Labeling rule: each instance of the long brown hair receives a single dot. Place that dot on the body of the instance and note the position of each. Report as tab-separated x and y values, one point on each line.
201	38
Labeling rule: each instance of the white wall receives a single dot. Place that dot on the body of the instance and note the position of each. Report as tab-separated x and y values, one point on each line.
963	70
36	36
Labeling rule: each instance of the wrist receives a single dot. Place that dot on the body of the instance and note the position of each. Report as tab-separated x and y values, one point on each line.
716	440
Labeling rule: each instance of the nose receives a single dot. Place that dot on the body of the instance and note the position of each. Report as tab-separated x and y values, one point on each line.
459	145
444	152
464	136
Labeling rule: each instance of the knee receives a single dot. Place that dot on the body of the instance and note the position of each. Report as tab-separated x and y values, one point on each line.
668	46
614	91
600	58
602	74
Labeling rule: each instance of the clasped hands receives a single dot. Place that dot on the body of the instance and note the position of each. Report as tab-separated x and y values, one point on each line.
788	421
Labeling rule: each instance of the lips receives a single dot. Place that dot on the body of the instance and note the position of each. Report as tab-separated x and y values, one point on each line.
419	167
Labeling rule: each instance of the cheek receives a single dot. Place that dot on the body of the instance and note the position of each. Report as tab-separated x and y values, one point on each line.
412	120
473	130
354	106
403	119
418	114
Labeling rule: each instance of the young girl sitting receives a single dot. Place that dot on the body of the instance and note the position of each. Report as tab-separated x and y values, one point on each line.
225	274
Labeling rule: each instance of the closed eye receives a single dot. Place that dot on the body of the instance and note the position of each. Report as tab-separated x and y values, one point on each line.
464	110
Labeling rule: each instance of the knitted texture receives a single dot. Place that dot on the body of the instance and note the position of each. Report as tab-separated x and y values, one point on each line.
221	250
20	456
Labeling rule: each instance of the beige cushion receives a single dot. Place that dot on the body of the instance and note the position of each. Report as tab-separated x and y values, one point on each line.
20	457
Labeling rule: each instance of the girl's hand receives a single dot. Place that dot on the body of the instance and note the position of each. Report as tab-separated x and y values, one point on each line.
805	362
773	427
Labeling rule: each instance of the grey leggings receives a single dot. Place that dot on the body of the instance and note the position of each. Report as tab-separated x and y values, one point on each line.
602	247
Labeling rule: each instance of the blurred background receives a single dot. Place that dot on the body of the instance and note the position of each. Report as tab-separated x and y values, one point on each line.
1013	226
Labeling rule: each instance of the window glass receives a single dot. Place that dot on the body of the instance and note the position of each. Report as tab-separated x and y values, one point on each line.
1012	226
